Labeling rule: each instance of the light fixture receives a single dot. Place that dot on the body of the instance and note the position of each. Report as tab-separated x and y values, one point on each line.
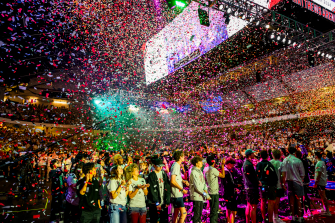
133	108
267	26
278	37
229	10
327	55
289	41
60	102
322	54
272	36
236	13
243	17
257	23
319	53
251	19
330	56
221	7
180	4
284	40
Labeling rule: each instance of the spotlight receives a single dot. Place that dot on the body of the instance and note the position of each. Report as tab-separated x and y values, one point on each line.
319	53
221	7
278	37
229	10
257	23
289	41
180	4
267	26
294	43
243	17
284	40
272	36
236	13
322	54
251	19
330	56
327	55
133	108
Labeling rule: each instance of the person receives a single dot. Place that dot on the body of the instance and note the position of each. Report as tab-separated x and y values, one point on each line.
212	178
118	192
137	192
276	154
230	187
198	189
293	174
251	183
320	178
177	188
266	173
57	185
72	211
158	199
89	196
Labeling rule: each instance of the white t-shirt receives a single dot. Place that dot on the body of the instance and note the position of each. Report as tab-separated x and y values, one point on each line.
161	185
121	198
139	200
175	170
212	178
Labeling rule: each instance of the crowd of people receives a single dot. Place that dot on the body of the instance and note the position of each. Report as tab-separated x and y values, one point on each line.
106	186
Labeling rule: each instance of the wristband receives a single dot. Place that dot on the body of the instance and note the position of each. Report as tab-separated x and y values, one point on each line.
157	204
205	195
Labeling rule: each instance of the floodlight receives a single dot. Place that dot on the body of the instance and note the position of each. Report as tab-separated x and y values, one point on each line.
267	26
229	10
278	37
180	4
221	7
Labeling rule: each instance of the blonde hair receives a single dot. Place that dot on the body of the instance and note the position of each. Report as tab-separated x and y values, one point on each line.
130	170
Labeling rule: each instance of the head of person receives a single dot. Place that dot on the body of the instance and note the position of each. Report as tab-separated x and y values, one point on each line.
329	155
264	154
89	168
298	154
78	169
318	155
178	156
197	161
250	154
276	153
292	150
101	162
158	164
210	160
132	171
54	164
118	160
230	163
143	165
116	172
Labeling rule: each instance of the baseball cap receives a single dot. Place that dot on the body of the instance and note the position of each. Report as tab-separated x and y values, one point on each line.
158	162
249	151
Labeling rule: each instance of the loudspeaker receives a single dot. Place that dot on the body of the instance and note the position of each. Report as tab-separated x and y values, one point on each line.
203	17
258	76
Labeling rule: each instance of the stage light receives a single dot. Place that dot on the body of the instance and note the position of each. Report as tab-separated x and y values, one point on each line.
180	4
133	108
289	41
97	101
257	23
284	40
267	26
243	17
236	13
327	55
221	7
251	19
278	37
330	56
319	53
322	54
229	10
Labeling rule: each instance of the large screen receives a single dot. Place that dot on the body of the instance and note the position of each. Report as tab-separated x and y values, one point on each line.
184	39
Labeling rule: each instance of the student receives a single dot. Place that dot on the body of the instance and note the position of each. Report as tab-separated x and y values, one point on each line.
276	154
57	185
293	174
177	188
251	184
212	178
266	173
321	182
88	188
198	189
137	192
159	193
118	192
230	185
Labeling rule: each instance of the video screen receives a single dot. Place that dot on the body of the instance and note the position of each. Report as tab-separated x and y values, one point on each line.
184	40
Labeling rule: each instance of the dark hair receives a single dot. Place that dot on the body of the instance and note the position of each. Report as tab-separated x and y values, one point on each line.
329	155
318	154
276	153
177	155
230	160
52	163
195	160
210	160
87	167
264	154
292	150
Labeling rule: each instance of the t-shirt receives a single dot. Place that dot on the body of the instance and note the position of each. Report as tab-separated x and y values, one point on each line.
161	185
277	166
212	180
175	170
322	169
90	200
121	198
72	196
139	200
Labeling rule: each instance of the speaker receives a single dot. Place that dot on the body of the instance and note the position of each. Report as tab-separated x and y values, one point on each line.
203	17
311	59
258	76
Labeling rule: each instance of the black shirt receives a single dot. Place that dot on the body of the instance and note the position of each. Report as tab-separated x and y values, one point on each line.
89	201
57	183
249	176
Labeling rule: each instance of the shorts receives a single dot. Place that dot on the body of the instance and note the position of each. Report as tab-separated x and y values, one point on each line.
268	192
177	202
321	187
252	196
231	203
294	189
141	211
280	193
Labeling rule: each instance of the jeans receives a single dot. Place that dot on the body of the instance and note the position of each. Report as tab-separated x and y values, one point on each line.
198	206
214	204
117	213
158	216
90	216
56	207
138	214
